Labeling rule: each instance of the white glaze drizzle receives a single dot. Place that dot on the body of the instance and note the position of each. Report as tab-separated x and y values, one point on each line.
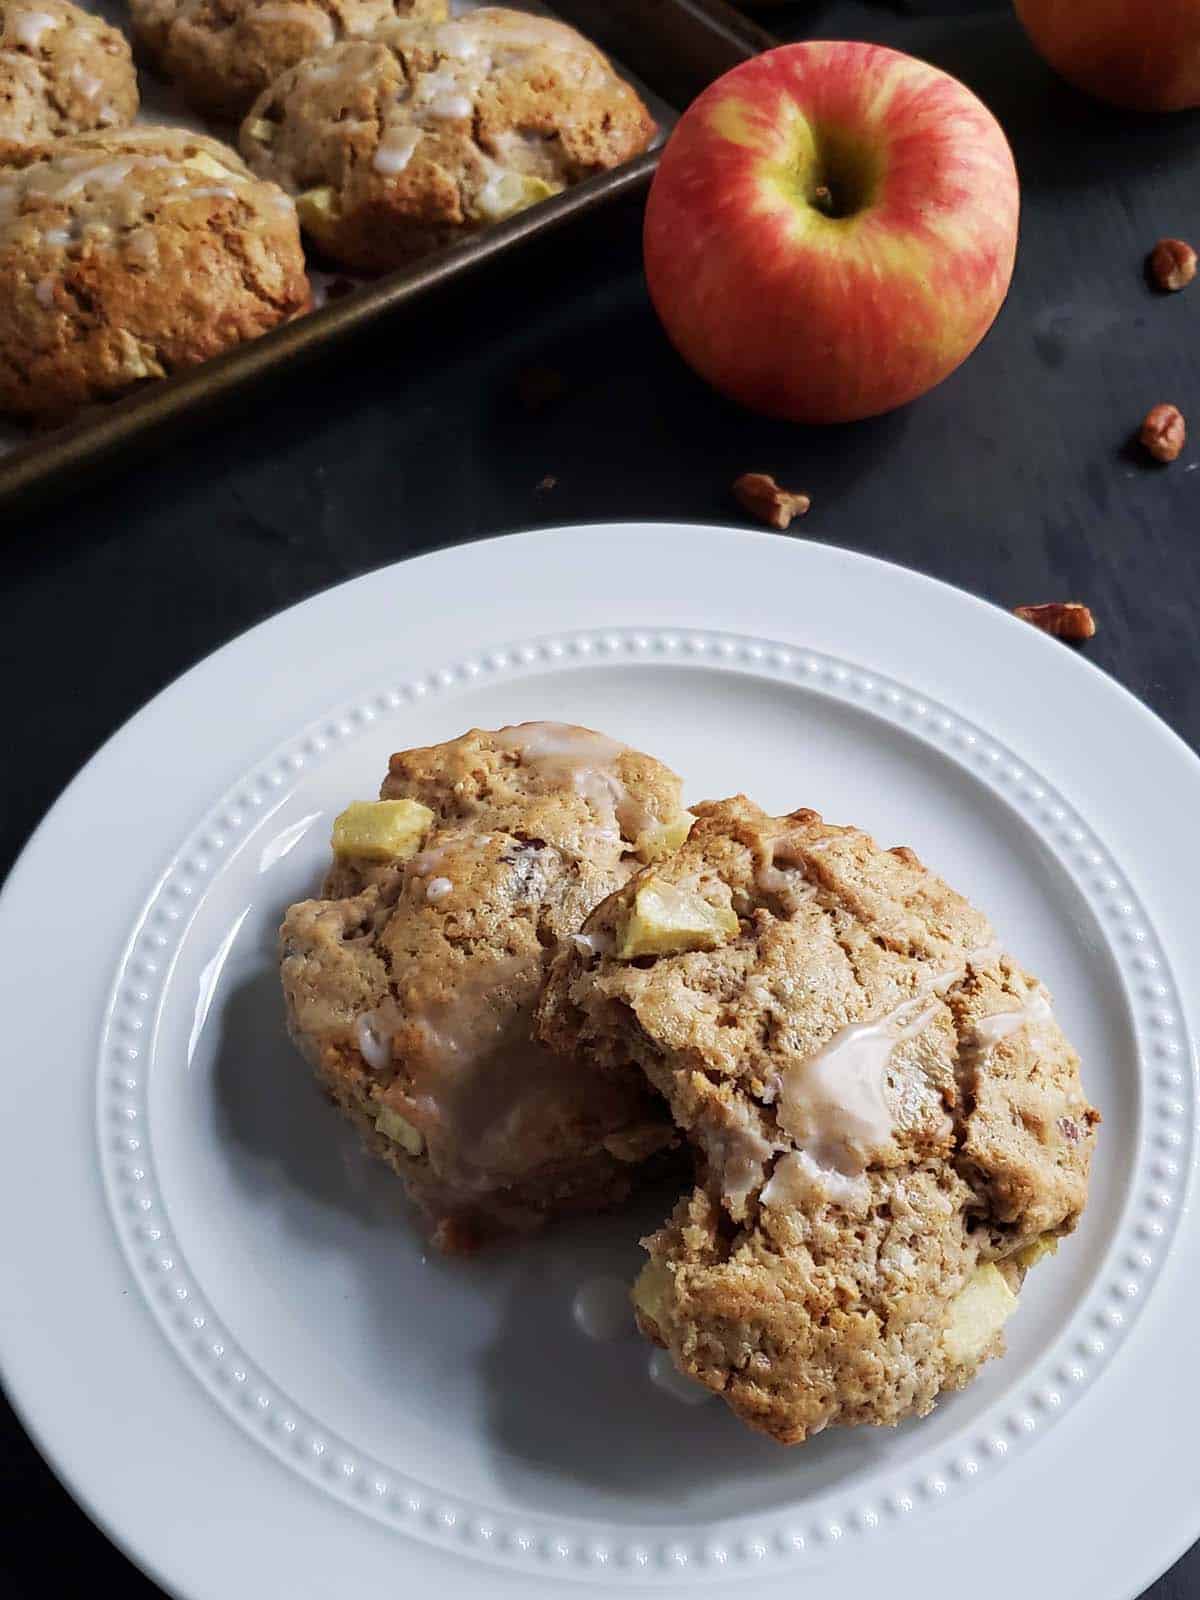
29	26
374	1044
834	1104
602	1309
395	150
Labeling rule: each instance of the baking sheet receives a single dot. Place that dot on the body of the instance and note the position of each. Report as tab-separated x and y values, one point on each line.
679	45
163	105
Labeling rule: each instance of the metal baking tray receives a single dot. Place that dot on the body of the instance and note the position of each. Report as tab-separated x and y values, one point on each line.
671	48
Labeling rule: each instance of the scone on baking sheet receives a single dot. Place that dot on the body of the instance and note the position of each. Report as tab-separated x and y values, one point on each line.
222	53
889	1123
425	134
410	984
62	70
130	255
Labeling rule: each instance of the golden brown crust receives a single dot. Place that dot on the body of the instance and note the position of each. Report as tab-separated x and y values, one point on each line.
410	987
62	71
127	256
809	1278
837	1319
422	135
539	791
222	53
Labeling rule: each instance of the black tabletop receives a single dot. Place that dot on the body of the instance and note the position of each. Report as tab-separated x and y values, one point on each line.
1015	480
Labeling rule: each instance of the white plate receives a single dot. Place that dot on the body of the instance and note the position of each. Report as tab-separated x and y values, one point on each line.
215	1318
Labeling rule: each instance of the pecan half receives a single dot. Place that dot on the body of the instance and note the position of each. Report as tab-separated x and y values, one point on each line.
1065	619
761	496
1163	432
1171	264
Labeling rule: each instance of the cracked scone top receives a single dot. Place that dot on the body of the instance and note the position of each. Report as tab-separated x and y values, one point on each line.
126	256
62	70
424	134
889	1124
222	53
410	984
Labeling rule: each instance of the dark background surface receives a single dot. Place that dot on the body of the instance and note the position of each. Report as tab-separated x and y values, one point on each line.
1014	480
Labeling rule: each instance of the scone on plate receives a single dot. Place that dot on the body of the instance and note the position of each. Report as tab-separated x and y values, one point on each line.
62	70
222	53
128	256
410	984
426	134
888	1121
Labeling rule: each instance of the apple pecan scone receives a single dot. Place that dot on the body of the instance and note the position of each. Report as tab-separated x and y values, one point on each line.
410	984
222	53
62	70
888	1122
130	255
423	135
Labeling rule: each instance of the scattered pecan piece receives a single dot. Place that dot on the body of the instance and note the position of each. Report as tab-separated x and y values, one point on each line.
761	496
1163	433
1065	619
1171	264
544	485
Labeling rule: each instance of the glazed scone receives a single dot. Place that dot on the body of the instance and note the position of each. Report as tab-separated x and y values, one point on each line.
889	1123
222	53
127	256
425	134
62	70
410	984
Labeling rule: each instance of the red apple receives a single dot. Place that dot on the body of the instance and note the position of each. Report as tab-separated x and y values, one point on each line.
1146	57
831	230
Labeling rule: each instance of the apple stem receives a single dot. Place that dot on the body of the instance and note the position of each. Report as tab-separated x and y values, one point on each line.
822	198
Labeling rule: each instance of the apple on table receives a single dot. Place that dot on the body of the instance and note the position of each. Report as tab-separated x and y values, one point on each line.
1143	57
831	230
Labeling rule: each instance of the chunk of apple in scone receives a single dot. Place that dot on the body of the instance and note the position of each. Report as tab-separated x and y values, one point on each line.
887	1121
380	830
666	920
410	983
976	1316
